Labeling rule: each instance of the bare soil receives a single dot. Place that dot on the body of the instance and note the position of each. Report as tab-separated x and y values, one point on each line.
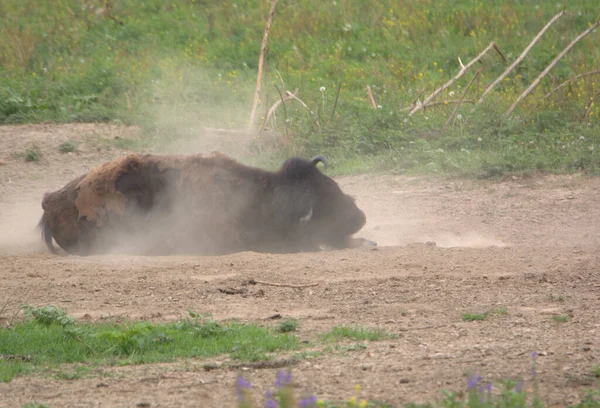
445	248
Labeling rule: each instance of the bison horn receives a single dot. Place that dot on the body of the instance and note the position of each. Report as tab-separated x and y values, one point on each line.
318	159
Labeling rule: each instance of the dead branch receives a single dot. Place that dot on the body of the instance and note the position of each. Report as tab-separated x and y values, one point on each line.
519	59
292	96
550	66
568	81
444	102
371	97
462	71
590	105
337	95
286	97
462	98
283	285
261	58
285	123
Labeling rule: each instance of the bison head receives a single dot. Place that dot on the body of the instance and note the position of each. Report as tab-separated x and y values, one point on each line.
312	209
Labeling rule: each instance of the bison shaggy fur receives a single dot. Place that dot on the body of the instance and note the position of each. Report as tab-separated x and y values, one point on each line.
200	204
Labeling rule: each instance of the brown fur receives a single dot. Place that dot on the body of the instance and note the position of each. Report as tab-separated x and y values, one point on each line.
201	204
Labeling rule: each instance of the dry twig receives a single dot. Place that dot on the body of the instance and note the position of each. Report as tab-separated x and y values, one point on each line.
462	98
292	96
462	71
284	111
550	66
286	97
261	59
568	81
283	285
371	97
519	59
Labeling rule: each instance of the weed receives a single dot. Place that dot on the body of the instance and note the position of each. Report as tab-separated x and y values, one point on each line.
358	333
471	317
560	318
596	371
67	147
33	154
34	405
287	326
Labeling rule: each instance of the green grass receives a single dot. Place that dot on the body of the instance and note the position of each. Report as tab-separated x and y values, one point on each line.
67	147
560	319
48	337
596	371
33	154
357	333
471	317
287	326
174	67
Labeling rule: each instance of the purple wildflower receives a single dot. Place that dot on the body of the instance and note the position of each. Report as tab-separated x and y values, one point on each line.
519	386
534	355
533	372
241	384
473	381
308	402
283	379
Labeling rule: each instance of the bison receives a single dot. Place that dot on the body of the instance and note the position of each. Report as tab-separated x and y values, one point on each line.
200	204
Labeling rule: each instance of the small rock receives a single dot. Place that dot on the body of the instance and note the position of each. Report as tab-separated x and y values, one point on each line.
404	381
99	385
587	348
142	404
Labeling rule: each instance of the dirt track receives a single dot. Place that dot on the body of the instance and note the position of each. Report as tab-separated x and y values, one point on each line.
528	245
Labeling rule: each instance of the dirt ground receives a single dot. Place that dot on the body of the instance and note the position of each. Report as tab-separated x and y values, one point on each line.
529	245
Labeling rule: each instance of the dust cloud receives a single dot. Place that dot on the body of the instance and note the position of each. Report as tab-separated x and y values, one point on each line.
18	226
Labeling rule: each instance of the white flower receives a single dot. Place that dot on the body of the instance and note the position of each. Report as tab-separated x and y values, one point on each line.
451	93
459	117
378	106
479	139
349	48
581	138
347	27
591	148
322	89
531	141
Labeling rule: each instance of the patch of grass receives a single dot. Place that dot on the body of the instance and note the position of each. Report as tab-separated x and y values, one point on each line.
67	147
596	371
560	318
33	154
34	405
174	68
287	326
471	317
357	333
49	337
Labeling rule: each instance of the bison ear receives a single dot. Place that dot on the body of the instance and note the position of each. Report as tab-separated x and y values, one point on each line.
318	159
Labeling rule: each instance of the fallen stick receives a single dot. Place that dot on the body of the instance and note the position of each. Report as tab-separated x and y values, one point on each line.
444	102
462	71
461	99
286	97
590	105
549	67
371	97
284	285
568	81
292	96
261	60
518	60
285	122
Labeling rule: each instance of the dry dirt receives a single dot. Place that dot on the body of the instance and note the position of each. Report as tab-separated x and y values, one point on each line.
529	245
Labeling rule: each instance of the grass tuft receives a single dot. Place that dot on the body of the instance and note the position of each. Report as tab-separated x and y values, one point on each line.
471	317
67	147
357	333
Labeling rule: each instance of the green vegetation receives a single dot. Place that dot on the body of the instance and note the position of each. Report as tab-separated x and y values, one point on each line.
288	326
596	371
560	319
33	154
175	67
48	337
67	147
357	333
470	317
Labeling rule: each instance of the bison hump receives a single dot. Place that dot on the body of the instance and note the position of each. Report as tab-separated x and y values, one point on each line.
97	193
